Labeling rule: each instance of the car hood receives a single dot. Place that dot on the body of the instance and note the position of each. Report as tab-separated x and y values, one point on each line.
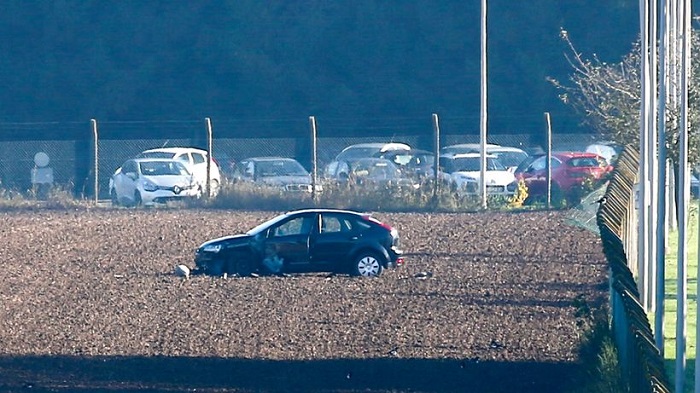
284	180
230	240
497	178
170	181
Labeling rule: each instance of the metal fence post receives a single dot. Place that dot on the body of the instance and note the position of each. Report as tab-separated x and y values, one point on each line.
314	162
96	160
436	162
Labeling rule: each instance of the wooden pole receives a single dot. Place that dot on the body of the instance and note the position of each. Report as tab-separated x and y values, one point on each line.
436	161
210	148
314	159
96	165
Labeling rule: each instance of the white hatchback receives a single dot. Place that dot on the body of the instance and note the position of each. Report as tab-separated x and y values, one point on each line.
464	171
148	181
196	160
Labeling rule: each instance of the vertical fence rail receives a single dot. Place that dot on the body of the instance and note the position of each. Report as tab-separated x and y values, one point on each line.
96	161
640	360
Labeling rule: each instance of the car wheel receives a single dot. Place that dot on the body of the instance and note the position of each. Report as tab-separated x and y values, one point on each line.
240	264
113	196
214	188
137	199
367	264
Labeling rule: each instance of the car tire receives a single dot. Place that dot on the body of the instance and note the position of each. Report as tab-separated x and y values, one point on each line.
113	196
367	264
240	264
138	201
214	188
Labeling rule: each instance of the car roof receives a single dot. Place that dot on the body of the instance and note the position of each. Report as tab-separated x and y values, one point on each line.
573	154
466	155
410	151
268	158
382	146
469	146
175	149
150	159
326	210
370	159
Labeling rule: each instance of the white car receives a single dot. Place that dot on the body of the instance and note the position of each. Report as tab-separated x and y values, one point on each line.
464	171
196	159
148	181
509	156
361	150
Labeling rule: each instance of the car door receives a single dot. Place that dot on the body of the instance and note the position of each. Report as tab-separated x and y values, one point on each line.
289	241
535	176
125	182
199	165
332	244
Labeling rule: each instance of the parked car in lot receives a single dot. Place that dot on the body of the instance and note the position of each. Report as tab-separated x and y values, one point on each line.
570	173
361	150
372	172
509	156
306	240
413	162
606	149
150	181
286	173
196	159
464	171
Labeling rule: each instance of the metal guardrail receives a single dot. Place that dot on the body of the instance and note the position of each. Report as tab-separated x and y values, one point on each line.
640	360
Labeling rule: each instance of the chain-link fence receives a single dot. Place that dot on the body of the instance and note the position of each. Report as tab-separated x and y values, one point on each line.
75	156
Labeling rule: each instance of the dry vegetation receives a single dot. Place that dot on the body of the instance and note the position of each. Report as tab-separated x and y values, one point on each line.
88	302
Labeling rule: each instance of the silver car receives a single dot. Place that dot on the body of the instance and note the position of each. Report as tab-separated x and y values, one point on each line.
285	173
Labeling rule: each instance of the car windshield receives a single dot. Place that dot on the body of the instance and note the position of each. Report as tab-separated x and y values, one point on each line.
163	168
375	169
473	164
263	227
586	162
511	158
156	154
280	168
357	152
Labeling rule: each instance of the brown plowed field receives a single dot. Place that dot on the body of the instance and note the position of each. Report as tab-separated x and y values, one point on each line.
88	302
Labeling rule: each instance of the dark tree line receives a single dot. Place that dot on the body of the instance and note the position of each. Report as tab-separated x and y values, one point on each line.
359	66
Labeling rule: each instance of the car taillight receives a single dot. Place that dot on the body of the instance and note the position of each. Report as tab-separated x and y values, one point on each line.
381	224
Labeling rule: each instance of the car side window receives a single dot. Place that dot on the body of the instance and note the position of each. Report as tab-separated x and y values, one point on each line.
198	158
184	158
129	166
538	165
330	224
295	226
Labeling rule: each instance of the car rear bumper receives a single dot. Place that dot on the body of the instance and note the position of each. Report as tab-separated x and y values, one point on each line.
396	258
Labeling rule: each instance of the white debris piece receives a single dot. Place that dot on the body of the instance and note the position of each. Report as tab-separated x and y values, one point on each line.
182	271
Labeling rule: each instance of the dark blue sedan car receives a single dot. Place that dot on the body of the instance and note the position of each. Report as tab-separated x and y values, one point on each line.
310	240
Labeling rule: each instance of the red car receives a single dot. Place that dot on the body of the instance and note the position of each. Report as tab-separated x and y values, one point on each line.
572	173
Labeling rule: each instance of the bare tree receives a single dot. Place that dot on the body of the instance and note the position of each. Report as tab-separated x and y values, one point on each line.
608	97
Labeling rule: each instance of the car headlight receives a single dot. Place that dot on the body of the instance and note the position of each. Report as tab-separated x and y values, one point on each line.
212	248
149	186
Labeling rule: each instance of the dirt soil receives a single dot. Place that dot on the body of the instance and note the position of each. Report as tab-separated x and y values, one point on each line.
89	302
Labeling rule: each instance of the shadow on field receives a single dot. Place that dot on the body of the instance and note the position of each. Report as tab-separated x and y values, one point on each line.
185	374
